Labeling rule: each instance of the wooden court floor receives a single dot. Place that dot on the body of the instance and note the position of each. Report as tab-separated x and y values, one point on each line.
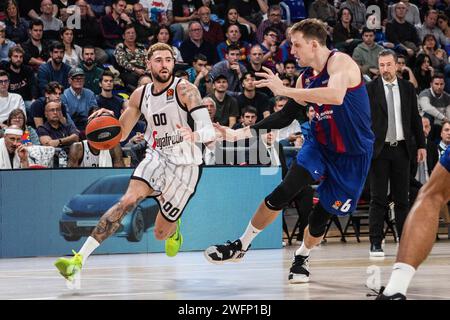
338	271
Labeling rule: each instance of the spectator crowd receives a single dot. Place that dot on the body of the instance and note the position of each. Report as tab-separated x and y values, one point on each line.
62	59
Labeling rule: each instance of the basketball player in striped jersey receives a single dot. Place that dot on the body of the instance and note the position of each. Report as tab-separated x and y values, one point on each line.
82	154
170	170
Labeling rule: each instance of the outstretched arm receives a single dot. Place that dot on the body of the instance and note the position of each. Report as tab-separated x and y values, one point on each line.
344	73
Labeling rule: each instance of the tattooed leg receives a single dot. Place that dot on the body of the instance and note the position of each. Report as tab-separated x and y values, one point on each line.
110	221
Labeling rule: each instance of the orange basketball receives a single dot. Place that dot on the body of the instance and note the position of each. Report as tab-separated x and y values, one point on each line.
103	132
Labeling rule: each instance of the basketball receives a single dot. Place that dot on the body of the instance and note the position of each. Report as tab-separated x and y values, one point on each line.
103	132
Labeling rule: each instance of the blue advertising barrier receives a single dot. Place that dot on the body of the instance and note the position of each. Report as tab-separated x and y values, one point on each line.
32	204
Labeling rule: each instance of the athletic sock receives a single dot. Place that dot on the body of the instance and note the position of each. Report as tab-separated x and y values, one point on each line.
401	276
250	233
303	250
88	247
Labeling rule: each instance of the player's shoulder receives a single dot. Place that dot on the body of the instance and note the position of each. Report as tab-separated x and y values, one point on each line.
341	61
183	85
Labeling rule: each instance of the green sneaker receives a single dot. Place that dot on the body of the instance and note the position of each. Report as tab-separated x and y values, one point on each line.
174	242
69	267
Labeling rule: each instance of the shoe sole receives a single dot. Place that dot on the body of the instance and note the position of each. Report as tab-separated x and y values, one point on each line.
207	257
303	279
376	254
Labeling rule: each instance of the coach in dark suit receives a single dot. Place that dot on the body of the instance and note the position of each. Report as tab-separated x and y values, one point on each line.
395	123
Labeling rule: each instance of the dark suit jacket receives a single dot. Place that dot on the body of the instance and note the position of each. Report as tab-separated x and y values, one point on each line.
412	123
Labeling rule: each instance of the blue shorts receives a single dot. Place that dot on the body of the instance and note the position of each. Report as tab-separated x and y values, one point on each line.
445	159
342	176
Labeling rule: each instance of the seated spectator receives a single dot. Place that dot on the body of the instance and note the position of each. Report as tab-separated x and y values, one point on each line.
56	134
145	79
233	37
72	52
254	64
53	91
345	36
209	152
227	110
412	13
232	18
89	32
429	26
289	136
52	25
131	58
30	9
8	101
210	104
427	5
251	11
290	70
443	24
185	11
212	31
402	33
100	7
270	49
358	10
255	151
274	21
36	50
5	44
445	138
199	75
322	10
92	73
162	14
438	56
106	99
435	103
423	71
13	154
231	68
55	69
405	72
16	27
366	54
249	97
164	34
79	100
195	44
82	154
21	78
60	8
182	74
113	26
284	50
18	118
145	29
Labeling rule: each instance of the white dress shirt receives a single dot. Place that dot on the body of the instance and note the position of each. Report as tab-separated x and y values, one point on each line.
397	107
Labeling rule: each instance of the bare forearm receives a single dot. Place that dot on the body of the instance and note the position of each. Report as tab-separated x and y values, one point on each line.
325	95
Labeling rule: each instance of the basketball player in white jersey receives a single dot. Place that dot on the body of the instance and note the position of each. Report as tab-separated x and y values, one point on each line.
82	154
170	169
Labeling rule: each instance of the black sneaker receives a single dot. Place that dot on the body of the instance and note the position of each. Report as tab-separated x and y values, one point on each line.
228	252
376	250
299	272
381	296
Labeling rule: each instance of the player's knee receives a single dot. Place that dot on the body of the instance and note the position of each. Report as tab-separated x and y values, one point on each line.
318	221
278	199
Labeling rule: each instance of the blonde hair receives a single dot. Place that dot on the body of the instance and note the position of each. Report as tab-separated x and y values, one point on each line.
159	46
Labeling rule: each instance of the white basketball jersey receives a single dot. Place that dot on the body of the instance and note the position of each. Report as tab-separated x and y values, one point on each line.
163	111
92	160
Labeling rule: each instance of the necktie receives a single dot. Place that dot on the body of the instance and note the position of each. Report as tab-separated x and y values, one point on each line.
391	132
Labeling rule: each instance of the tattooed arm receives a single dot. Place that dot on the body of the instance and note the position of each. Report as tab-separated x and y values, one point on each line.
191	99
75	155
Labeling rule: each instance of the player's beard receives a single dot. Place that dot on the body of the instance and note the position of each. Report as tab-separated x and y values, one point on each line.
162	79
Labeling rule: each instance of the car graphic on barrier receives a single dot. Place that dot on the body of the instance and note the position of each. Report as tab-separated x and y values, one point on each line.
82	213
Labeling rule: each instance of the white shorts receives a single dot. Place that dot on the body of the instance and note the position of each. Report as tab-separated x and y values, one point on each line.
173	185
